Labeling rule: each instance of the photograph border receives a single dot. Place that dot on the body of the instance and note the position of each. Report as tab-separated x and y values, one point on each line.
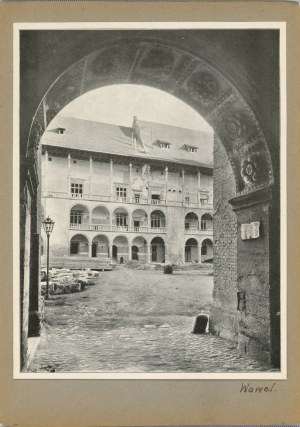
281	26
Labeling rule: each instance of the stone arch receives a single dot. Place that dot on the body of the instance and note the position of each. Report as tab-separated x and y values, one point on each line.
121	219
79	245
139	220
206	221
120	249
100	218
157	219
209	91
191	250
79	217
206	250
139	249
158	250
100	246
191	222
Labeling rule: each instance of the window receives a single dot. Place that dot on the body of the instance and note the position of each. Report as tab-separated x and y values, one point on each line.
187	199
76	217
76	189
192	149
121	191
121	219
137	198
155	198
155	221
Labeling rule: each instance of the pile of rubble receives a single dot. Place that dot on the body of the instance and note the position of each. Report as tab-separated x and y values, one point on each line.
64	281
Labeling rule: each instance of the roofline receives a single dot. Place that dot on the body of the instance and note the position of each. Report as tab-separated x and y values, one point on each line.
152	159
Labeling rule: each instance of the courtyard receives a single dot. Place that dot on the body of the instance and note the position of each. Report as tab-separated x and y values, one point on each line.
136	321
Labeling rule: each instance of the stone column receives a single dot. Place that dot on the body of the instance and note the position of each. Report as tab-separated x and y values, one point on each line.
90	250
199	189
167	182
130	182
130	252
69	249
111	178
166	254
110	252
91	178
69	175
149	253
183	190
149	191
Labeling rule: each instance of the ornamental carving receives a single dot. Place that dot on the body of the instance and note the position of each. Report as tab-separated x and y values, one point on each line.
105	62
60	95
235	125
253	169
204	86
158	58
35	135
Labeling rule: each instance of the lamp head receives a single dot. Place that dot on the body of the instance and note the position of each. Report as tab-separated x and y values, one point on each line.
48	225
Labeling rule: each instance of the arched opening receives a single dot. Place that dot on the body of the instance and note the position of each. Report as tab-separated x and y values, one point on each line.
120	220
219	88
100	246
79	218
157	221
191	251
79	245
120	250
158	250
139	249
206	222
207	253
100	219
191	223
140	220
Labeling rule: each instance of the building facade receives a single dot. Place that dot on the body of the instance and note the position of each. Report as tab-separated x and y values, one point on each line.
143	193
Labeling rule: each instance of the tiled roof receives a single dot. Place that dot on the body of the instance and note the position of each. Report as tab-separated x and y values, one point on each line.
113	139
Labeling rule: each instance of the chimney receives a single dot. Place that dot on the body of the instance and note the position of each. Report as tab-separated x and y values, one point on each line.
61	131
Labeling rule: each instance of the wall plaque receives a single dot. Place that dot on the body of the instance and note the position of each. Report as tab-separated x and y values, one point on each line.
250	230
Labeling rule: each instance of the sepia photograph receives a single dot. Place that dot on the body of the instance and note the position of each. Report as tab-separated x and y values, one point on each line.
149	201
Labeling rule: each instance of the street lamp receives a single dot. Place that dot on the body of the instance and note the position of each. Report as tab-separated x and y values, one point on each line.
48	225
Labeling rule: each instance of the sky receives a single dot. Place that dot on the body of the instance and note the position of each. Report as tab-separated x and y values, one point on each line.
117	104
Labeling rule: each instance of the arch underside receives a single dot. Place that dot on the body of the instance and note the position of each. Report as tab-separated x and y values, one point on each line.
182	74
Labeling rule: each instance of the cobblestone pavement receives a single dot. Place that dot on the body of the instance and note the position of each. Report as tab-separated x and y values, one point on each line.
135	321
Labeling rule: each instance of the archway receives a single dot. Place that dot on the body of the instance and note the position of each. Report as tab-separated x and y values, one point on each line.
191	223
79	245
120	249
203	74
206	222
158	250
100	219
79	217
139	249
120	220
191	251
140	220
100	246
157	221
207	251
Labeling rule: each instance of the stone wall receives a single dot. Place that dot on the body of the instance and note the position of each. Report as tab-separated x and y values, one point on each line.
223	319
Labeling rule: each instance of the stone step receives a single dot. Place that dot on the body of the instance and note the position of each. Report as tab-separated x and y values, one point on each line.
78	263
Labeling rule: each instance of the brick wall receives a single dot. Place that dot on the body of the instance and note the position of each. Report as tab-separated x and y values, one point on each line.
224	311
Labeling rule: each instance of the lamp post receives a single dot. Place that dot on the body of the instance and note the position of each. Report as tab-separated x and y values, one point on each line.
48	225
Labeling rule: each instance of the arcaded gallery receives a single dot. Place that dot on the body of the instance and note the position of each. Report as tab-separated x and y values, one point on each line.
143	193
